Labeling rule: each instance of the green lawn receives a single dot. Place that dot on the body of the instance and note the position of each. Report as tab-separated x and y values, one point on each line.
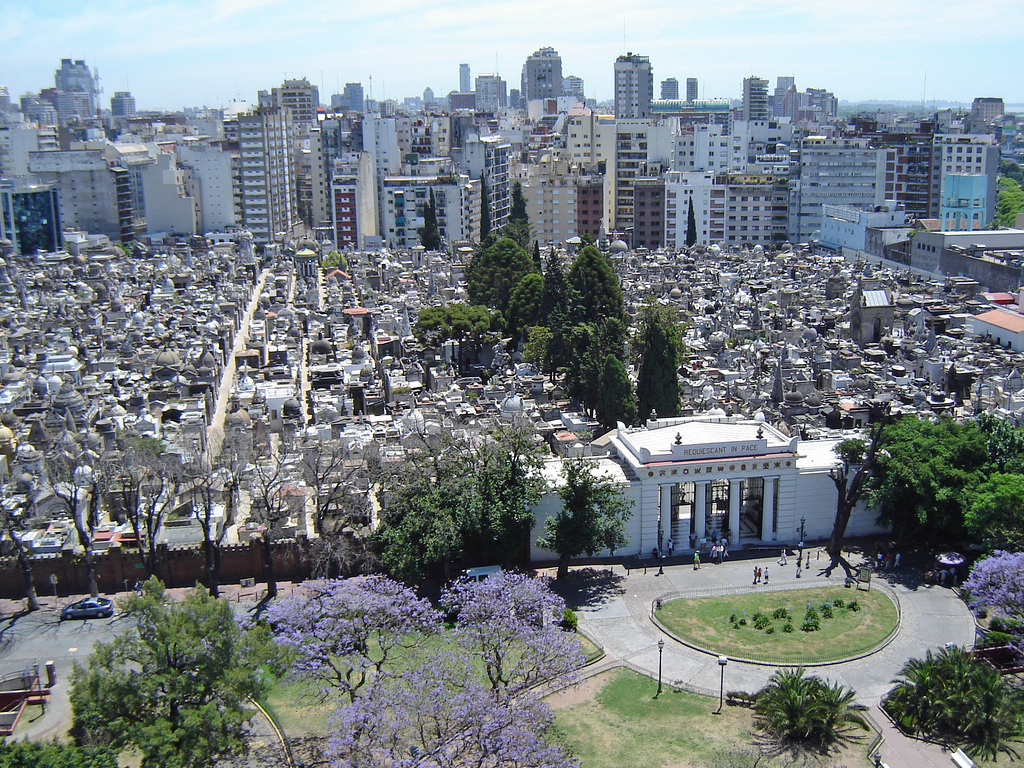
706	623
614	720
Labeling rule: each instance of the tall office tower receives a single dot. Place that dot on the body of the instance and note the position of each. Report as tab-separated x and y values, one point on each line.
670	88
755	98
76	90
542	75
464	79
5	99
265	172
491	93
122	105
691	89
634	86
782	97
352	98
428	97
573	86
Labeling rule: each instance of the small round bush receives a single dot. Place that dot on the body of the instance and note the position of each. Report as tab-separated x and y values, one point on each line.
839	602
853	605
787	627
826	611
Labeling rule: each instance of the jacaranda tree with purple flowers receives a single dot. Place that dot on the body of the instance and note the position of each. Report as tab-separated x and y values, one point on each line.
511	623
442	715
998	582
345	631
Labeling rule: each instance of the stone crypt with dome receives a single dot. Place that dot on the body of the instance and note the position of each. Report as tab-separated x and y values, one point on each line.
700	478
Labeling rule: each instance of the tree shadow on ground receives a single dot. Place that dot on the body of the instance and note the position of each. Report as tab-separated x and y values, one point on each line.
589	587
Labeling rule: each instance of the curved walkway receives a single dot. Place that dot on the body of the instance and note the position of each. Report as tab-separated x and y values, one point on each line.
616	613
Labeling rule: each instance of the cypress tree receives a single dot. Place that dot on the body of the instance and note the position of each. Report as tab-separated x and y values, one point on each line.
657	385
430	236
691	225
485	210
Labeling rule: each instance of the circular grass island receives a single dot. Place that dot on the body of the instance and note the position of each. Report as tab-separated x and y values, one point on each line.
801	626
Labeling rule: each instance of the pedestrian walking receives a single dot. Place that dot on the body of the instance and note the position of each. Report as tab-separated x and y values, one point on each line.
896	562
766	574
782	557
671	545
798	569
756	572
807	562
696	559
654	553
725	547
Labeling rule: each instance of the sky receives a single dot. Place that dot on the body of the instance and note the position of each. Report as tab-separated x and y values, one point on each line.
176	53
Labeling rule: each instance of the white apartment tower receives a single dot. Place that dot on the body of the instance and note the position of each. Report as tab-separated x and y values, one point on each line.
634	86
265	172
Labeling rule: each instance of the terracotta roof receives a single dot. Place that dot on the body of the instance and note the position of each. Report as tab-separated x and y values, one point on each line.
1009	321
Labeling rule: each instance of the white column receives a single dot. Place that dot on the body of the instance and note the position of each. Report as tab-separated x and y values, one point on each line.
734	513
768	509
700	490
665	510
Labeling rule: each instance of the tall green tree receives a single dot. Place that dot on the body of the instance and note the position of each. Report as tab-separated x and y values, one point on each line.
496	272
485	210
658	345
996	511
455	499
592	517
430	235
691	225
517	225
472	326
174	685
924	476
614	401
588	346
1009	202
524	307
598	294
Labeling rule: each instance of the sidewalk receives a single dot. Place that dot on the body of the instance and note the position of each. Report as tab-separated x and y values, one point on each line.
617	615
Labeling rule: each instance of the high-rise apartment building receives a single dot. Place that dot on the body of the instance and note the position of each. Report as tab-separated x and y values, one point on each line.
351	100
491	93
265	170
573	86
691	89
755	98
670	88
634	86
122	105
542	75
464	79
300	96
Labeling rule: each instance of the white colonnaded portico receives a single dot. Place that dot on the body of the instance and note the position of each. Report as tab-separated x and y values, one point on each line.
702	478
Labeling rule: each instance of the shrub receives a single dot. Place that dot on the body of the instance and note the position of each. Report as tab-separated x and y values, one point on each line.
732	618
853	605
1001	624
770	630
761	621
787	627
780	613
812	622
569	620
998	638
839	602
826	611
743	622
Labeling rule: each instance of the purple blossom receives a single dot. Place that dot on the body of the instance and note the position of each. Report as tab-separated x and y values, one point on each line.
441	715
511	623
344	630
998	582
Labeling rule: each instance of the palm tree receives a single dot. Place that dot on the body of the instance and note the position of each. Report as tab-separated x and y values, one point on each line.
806	712
952	698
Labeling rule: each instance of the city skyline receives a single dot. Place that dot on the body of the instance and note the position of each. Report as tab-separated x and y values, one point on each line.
183	53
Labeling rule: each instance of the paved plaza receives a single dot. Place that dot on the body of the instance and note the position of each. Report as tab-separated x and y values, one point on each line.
615	610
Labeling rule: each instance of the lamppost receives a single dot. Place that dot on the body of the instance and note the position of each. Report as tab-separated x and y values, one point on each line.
722	661
661	651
